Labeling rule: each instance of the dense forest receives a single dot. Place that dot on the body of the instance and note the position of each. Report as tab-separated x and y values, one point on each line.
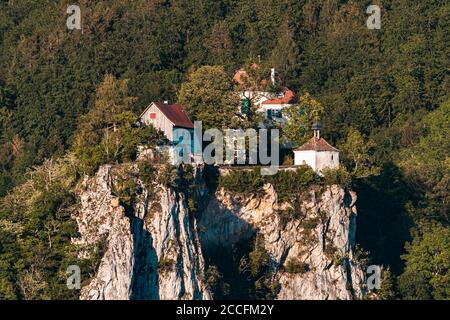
385	94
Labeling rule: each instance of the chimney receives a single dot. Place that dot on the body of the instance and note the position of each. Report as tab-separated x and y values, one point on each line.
316	128
272	75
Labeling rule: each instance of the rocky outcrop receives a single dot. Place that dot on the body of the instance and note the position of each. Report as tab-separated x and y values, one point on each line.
319	240
151	246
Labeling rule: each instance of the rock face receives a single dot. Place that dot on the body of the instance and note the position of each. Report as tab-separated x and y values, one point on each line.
151	248
320	239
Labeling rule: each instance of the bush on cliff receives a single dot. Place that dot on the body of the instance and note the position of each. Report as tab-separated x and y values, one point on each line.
287	184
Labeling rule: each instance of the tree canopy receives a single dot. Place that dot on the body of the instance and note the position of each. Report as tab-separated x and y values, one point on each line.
384	95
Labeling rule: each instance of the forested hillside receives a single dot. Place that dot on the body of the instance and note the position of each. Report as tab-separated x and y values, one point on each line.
385	95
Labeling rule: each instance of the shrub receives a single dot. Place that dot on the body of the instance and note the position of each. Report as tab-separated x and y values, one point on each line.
242	181
165	265
330	250
147	172
414	286
295	266
215	281
288	161
310	224
286	183
339	176
168	176
290	183
337	259
259	258
124	186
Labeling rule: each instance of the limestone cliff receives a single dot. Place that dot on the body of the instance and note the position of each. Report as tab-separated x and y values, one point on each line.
320	239
151	247
155	249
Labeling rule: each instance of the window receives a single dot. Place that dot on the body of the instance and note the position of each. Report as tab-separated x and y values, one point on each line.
274	114
277	114
245	106
331	157
153	115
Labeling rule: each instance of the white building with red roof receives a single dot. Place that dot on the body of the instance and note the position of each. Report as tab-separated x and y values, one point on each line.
273	108
173	121
269	103
317	153
166	118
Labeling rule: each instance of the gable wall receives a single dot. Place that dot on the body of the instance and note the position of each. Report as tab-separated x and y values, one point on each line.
317	160
160	123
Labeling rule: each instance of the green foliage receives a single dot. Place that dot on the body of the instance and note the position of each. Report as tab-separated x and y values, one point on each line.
310	224
215	281
295	266
337	259
414	286
427	265
356	154
108	133
36	227
390	85
124	185
259	269
287	184
242	181
259	259
339	176
165	265
101	132
284	57
291	183
167	176
426	168
147	172
208	96
387	290
300	119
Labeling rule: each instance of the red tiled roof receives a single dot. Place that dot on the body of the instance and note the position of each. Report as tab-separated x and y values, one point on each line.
317	145
176	114
238	76
242	73
289	97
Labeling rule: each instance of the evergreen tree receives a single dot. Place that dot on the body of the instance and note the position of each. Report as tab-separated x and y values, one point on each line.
285	55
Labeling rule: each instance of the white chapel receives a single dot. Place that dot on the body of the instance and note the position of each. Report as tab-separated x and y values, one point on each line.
317	153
